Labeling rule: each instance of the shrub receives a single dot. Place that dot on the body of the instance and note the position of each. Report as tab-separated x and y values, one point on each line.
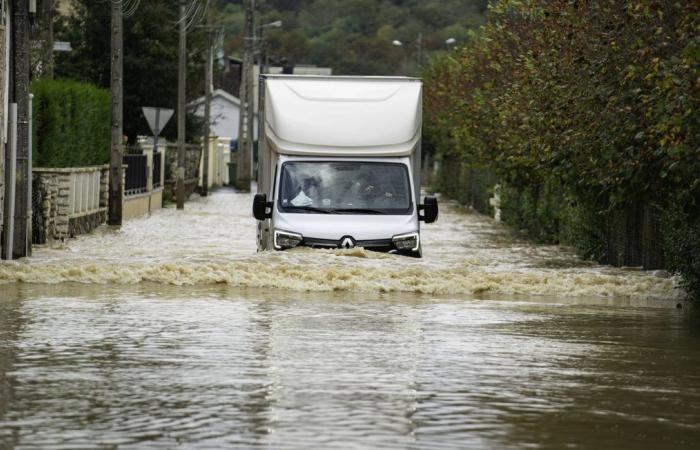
72	123
681	231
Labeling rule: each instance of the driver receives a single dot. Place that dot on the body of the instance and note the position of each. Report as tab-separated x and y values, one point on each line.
308	193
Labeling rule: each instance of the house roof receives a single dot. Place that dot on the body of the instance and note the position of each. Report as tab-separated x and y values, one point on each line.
216	93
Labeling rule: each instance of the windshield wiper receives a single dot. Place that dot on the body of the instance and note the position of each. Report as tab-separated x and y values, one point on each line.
312	209
359	210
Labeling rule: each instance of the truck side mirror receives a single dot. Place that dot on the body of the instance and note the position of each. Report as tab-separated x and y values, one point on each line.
260	207
430	210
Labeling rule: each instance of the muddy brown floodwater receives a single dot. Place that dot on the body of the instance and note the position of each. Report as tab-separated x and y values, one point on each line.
173	333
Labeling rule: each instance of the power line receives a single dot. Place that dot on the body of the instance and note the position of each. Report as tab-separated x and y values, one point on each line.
195	11
128	7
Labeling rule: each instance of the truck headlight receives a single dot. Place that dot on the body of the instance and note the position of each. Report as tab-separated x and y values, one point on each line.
408	241
286	239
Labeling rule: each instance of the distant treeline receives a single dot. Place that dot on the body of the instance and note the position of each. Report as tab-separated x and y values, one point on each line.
355	37
588	113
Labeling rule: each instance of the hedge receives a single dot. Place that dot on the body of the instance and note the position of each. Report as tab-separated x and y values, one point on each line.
72	123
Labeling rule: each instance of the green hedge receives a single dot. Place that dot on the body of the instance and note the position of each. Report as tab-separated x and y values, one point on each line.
71	124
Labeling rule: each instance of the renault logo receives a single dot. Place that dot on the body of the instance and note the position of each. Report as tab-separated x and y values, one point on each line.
347	242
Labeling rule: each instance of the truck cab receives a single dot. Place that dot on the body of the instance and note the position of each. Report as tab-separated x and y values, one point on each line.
339	164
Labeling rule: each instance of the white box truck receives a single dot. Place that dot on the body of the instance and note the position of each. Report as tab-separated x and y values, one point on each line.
339	163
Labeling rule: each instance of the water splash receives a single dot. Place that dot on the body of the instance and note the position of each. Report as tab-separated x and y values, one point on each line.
213	241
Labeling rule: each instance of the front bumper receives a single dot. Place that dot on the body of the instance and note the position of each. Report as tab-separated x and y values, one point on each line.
285	240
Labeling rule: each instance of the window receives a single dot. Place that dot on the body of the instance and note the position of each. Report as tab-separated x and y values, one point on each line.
347	187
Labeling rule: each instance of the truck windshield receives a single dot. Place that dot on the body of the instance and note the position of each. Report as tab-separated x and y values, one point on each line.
348	187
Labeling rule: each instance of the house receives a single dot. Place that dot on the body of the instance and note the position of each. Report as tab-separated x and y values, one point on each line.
225	113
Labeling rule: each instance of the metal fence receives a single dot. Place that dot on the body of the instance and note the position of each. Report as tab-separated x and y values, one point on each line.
632	237
136	174
157	157
628	236
472	186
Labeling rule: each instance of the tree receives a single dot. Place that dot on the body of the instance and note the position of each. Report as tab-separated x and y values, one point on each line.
150	58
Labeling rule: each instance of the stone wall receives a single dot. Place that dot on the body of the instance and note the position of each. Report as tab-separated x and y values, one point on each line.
193	155
53	193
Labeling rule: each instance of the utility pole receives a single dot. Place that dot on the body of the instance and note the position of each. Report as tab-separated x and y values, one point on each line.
116	187
208	81
47	17
246	120
180	182
20	96
419	44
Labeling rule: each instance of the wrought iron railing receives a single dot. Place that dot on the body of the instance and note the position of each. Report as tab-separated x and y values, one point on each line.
136	174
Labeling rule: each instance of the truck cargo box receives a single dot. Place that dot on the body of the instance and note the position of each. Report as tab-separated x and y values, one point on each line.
349	116
344	116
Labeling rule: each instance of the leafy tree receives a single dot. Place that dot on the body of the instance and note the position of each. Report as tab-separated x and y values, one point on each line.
591	105
150	58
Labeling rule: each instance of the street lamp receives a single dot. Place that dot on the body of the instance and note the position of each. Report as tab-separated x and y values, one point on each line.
275	24
263	44
419	48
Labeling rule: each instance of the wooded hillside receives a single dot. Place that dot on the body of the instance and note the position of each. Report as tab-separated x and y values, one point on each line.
355	36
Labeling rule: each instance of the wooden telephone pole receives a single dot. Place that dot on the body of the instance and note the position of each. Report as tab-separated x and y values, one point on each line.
20	96
181	73
47	10
245	123
208	81
116	187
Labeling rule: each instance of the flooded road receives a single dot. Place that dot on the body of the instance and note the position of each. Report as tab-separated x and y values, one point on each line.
213	241
173	333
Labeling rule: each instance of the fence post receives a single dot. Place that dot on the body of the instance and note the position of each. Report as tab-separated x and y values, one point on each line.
163	152
149	169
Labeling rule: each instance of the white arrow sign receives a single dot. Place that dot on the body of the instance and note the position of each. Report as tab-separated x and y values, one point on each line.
157	118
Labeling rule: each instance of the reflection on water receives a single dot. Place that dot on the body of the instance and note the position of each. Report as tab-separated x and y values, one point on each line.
213	241
153	366
172	332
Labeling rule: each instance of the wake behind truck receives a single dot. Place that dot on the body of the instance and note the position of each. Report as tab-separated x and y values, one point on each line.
339	164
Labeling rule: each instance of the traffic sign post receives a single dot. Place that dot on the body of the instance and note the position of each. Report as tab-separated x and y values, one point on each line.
157	118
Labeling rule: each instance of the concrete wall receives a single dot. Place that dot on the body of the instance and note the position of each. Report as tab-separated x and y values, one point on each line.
143	203
219	157
68	202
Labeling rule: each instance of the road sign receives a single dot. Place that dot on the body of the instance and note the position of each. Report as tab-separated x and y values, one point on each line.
157	118
62	46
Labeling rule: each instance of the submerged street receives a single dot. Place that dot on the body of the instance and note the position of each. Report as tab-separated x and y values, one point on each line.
173	332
